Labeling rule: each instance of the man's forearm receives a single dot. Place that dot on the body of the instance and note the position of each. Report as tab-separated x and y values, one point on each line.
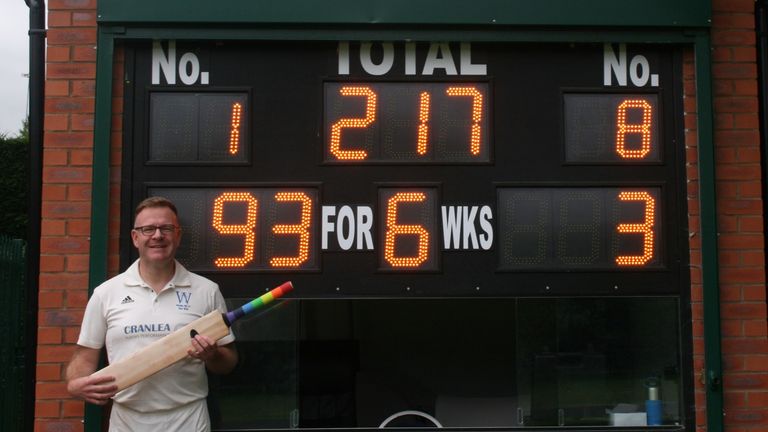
83	363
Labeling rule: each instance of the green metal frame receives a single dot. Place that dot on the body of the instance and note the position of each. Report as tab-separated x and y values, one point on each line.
562	13
709	265
652	21
97	269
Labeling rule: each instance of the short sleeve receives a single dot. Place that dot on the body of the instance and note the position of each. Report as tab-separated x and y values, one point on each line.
93	330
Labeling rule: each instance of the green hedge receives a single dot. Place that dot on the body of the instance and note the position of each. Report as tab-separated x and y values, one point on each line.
14	185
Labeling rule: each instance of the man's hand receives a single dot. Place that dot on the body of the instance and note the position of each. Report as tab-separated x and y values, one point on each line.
218	359
202	348
96	390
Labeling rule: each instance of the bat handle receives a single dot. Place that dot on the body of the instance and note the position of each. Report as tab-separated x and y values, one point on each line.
231	316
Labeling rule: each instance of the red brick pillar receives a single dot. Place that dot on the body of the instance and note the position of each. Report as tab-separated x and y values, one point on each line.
66	207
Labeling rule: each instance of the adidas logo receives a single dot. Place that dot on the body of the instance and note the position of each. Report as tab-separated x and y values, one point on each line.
127	299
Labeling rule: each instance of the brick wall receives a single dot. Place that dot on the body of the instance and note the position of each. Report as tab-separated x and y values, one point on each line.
69	107
740	219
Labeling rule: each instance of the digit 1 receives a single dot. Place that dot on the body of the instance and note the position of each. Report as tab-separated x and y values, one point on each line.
644	129
301	229
248	229
394	230
422	141
336	128
645	228
477	114
234	131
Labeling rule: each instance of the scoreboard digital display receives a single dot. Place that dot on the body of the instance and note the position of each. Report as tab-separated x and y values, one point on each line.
418	168
406	122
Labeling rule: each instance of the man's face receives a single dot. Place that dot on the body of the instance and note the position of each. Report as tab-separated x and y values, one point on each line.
157	247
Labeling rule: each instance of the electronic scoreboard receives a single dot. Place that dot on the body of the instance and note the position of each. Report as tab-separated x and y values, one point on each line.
429	169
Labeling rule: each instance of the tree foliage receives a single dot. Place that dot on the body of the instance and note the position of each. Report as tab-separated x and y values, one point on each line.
14	183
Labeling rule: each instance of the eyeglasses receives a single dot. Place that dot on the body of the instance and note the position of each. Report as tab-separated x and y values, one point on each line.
149	230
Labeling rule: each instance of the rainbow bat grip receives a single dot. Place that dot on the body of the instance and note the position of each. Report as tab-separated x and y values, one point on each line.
231	316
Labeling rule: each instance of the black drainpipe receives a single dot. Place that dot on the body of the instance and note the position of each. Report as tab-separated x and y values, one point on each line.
761	16
37	34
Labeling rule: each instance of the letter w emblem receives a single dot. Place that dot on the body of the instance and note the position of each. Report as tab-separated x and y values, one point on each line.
183	296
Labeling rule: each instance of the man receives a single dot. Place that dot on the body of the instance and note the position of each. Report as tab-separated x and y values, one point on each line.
153	297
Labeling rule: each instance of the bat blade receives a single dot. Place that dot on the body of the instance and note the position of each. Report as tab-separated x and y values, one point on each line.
171	348
163	352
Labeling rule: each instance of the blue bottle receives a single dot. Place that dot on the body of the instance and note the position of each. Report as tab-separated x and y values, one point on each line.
653	405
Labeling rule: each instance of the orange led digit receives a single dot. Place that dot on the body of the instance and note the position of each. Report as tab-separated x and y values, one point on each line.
477	114
408	122
645	228
394	230
248	229
234	132
370	117
644	129
301	229
421	144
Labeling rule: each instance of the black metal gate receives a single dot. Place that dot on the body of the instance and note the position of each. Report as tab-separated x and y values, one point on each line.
13	364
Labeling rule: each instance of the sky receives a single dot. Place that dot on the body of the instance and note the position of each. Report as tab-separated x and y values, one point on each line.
14	65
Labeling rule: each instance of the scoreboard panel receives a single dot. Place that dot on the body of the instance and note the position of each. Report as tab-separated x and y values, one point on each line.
433	169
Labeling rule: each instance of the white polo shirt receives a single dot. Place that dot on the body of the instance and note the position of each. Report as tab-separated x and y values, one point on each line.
126	313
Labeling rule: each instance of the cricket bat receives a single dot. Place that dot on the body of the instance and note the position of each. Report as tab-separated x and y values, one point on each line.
173	347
